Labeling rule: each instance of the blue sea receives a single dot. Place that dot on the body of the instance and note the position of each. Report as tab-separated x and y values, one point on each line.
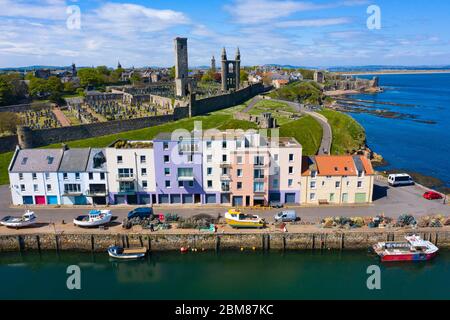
405	143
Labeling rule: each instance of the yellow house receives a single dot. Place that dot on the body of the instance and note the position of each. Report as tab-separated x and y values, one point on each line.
336	180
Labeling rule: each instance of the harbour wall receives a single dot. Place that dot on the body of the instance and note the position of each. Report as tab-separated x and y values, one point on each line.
169	242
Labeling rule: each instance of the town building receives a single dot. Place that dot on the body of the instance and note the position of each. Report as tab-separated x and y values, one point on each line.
33	176
96	184
72	176
131	172
337	180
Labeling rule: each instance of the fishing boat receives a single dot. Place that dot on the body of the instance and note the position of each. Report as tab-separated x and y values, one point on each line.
95	218
237	219
28	219
121	253
413	249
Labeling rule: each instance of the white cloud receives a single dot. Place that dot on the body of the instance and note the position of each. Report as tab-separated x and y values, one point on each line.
313	22
49	10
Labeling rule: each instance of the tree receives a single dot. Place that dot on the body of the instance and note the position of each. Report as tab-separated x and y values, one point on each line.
55	88
172	72
244	75
208	77
6	91
116	75
91	77
135	78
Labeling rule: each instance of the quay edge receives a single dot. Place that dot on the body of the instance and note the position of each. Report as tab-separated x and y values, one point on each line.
336	240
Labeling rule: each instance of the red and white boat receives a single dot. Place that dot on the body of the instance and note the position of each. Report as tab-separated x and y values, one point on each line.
413	249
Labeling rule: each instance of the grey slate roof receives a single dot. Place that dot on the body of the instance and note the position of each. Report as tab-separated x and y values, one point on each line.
90	165
164	136
74	160
37	160
358	163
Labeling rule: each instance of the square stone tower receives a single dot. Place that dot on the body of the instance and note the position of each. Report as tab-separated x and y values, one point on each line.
181	67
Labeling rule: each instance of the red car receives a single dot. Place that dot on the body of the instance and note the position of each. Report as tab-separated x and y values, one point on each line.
431	195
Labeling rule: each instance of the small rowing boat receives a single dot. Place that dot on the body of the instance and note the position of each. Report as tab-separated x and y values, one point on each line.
95	218
237	219
121	253
28	219
413	249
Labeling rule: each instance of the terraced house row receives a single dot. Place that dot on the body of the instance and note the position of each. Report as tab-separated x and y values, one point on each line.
216	168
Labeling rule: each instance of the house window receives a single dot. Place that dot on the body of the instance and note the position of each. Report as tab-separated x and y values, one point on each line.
360	184
209	171
77	176
166	159
291	170
290	182
35	187
47	176
258	174
49	188
239	159
291	157
65	177
275	157
259	160
275	183
338	184
22	187
102	176
224	144
224	171
144	184
180	184
143	159
209	183
313	174
238	143
239	172
91	176
190	158
167	171
190	184
208	144
224	158
312	196
360	174
72	188
144	172
258	186
34	176
239	185
209	158
185	172
126	173
312	184
348	183
119	159
167	183
165	145
20	176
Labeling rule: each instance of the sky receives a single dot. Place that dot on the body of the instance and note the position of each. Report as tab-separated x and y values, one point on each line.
289	32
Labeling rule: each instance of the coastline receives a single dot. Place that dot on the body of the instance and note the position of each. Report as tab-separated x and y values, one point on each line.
396	72
319	239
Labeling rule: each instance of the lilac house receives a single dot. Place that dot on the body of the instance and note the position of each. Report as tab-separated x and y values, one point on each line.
178	170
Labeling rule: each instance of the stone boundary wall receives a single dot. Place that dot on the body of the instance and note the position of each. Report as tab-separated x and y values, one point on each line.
8	143
23	107
204	106
169	242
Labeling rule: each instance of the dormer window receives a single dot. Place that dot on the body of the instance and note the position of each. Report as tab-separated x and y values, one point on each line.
24	161
50	160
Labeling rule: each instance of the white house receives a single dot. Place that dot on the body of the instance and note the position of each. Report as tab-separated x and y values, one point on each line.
96	184
33	176
73	177
131	173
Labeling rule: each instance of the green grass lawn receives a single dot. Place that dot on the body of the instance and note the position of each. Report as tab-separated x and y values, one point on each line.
307	131
274	107
348	134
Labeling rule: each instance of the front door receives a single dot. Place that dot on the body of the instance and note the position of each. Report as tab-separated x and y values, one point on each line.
40	200
345	198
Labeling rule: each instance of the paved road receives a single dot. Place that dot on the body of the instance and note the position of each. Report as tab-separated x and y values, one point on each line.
327	135
391	201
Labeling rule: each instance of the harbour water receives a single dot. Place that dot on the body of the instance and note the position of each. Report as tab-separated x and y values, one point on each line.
229	275
413	143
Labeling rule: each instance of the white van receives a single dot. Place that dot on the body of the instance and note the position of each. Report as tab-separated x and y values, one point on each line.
403	179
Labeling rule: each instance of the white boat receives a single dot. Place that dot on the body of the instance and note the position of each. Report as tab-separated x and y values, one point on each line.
28	219
121	253
95	218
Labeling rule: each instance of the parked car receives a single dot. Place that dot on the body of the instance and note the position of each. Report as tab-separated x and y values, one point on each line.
402	179
286	216
276	204
142	213
431	195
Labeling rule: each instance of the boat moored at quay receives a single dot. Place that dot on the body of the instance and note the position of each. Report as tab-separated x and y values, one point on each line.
413	249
